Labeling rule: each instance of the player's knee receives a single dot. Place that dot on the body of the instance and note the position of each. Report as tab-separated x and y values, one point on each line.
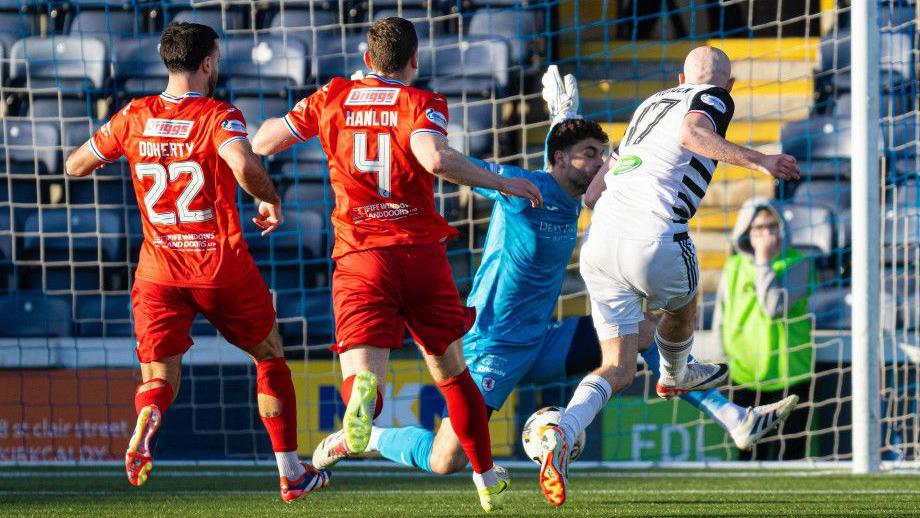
620	377
445	463
152	384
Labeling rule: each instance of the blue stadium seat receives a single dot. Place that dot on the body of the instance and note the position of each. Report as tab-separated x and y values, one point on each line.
304	195
257	110
902	235
337	56
33	146
59	234
56	108
832	307
517	26
70	63
303	229
474	66
306	25
828	193
15	25
99	190
108	25
30	315
220	21
312	305
270	65
103	314
419	18
895	61
470	126
810	227
6	234
306	160
137	68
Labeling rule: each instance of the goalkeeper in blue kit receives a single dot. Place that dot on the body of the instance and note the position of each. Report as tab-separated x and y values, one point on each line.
514	339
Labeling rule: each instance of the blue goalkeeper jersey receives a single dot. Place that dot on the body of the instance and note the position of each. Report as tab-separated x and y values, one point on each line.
524	261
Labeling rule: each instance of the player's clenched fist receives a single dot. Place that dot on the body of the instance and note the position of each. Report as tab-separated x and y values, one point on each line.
783	167
269	217
522	188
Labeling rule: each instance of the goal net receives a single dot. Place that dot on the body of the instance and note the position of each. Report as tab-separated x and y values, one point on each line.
69	246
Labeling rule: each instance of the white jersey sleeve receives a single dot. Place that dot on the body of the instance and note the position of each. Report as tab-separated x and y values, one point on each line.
657	185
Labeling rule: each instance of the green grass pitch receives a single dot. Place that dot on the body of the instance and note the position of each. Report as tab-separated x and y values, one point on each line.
373	491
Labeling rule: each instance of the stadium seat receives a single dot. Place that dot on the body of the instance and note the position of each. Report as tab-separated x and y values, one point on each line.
810	227
305	160
103	314
902	235
419	18
70	63
832	307
221	21
15	24
307	194
257	110
311	305
895	62
828	193
136	69
470	125
60	234
108	25
33	146
517	26
270	65
6	234
474	66
306	25
57	108
337	56
32	315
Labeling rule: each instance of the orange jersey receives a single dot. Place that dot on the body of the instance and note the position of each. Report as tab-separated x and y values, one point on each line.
383	196
185	190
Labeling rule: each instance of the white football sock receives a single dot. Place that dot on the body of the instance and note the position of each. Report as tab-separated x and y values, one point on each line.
375	437
673	357
289	465
484	480
588	400
729	416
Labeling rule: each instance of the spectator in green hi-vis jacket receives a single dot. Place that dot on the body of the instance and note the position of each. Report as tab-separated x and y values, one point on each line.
762	319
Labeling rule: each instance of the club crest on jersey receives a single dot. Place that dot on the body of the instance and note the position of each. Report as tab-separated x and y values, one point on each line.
372	97
715	102
168	128
436	117
234	126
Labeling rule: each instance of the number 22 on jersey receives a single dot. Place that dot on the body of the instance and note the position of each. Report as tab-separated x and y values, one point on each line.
161	177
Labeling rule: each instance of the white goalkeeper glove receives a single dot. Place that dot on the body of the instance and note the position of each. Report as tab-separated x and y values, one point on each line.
358	75
560	94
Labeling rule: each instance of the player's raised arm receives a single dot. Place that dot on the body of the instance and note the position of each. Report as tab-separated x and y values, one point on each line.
102	148
273	137
252	177
438	158
298	125
698	135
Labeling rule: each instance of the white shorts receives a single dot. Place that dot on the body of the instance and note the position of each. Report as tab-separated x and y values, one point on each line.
627	276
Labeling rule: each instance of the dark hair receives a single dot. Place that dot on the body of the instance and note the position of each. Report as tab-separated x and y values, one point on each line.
570	132
183	46
391	43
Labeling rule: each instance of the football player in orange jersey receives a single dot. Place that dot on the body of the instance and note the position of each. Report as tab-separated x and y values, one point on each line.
386	141
187	154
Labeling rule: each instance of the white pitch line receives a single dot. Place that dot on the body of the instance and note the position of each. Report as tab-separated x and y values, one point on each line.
658	492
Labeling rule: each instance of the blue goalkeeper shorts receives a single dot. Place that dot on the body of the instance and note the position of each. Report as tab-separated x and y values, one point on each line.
499	367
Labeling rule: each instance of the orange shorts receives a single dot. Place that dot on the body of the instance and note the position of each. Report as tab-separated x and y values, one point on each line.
378	293
163	315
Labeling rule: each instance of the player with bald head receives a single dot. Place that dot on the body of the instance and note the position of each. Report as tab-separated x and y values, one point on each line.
638	256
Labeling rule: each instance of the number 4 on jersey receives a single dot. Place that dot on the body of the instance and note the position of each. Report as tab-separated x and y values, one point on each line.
381	166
